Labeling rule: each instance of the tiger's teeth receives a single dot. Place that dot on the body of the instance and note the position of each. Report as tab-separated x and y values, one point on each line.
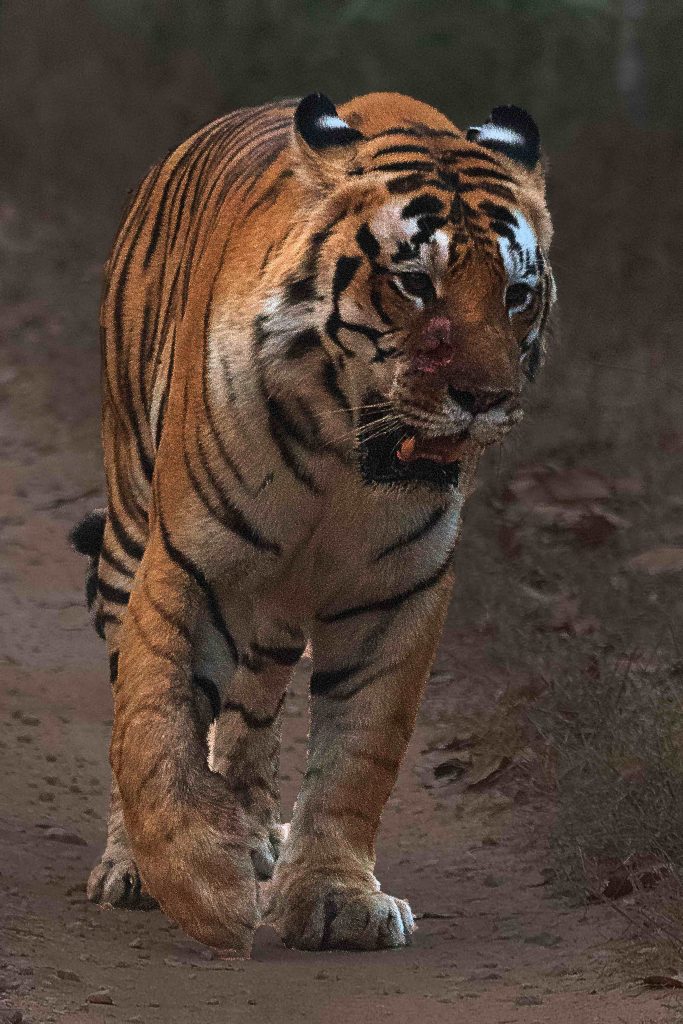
406	449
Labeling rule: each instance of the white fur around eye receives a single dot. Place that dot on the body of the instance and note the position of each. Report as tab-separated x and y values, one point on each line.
413	298
520	258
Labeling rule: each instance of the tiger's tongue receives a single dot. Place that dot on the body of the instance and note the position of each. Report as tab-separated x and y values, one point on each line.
436	449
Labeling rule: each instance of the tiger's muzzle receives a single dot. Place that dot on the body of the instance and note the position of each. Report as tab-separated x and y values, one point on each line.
458	388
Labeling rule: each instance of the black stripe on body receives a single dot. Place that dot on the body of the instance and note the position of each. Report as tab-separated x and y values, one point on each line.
206	402
324	681
113	667
330	380
302	289
419	131
116	595
211	692
414	535
452	156
227	513
330	681
171	620
192	570
497	212
115	562
103	619
386	604
131	547
302	343
368	244
250	718
280	655
282	433
123	379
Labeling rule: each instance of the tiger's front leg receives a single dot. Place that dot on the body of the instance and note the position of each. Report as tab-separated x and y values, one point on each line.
247	735
324	894
190	838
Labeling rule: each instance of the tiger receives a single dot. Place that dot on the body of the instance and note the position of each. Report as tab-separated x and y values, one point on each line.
314	322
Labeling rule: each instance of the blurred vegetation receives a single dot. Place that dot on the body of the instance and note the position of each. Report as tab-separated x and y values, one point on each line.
93	91
560	58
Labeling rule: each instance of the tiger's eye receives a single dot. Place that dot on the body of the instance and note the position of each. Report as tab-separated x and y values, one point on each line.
518	296
418	284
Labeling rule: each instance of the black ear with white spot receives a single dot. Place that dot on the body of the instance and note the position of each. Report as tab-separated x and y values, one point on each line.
512	132
320	126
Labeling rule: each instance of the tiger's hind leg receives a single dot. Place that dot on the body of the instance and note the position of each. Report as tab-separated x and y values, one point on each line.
115	880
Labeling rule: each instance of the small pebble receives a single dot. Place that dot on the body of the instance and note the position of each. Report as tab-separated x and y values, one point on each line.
103	997
56	834
68	975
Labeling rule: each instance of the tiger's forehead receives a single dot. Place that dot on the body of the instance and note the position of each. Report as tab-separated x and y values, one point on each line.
429	231
408	238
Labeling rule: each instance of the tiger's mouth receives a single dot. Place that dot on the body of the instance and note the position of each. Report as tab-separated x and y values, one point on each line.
402	455
444	450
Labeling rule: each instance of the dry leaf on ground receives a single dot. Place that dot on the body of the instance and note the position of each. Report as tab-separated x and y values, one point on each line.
658	560
664	981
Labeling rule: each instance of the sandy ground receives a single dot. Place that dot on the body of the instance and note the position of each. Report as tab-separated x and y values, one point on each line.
494	945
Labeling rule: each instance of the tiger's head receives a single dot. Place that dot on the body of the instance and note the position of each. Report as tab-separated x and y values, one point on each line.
424	267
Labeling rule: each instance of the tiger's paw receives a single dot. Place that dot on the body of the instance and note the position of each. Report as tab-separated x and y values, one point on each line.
115	882
313	911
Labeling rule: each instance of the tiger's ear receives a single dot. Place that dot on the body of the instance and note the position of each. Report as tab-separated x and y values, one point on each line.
326	144
512	132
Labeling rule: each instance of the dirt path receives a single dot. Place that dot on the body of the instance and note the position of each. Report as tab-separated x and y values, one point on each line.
493	947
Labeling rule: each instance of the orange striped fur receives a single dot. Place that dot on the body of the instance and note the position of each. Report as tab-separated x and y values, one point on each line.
314	321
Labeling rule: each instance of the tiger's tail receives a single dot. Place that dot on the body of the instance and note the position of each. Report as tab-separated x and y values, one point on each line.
86	537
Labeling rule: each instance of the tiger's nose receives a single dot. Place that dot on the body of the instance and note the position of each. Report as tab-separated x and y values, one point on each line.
479	400
434	347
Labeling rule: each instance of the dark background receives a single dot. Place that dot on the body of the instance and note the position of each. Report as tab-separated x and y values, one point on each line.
566	621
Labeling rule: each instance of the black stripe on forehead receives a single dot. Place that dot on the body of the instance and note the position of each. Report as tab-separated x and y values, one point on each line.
469	171
406	148
421	205
405	165
497	212
367	243
493	189
405	184
417	131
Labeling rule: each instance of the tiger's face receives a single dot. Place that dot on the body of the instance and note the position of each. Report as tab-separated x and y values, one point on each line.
458	309
433	265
